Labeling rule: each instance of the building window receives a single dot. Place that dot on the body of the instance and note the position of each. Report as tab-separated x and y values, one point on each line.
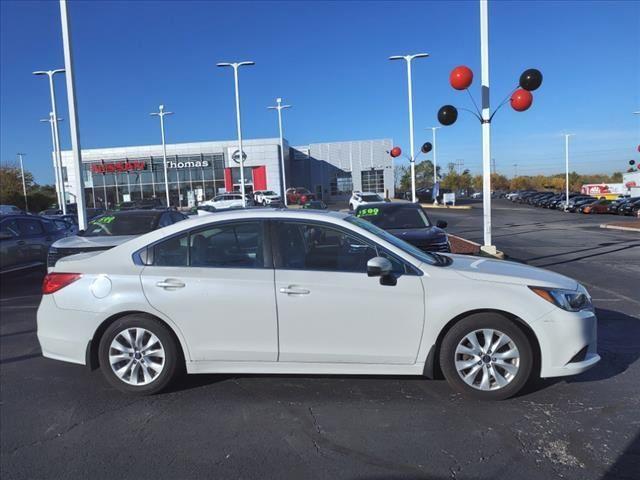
65	177
341	184
373	181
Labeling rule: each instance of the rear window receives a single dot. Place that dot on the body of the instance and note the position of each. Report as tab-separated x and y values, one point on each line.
121	224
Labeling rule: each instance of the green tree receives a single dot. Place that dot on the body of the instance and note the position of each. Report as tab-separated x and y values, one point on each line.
11	193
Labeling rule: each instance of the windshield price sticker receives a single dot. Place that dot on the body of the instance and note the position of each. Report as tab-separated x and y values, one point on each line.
368	212
103	220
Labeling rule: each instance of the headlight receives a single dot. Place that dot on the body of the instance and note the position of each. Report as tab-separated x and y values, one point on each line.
569	300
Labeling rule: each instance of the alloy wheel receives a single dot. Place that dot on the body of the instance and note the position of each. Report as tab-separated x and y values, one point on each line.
487	359
136	356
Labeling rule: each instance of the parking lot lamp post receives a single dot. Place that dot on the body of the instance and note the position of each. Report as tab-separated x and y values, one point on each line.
56	170
24	185
279	108
566	163
435	174
408	59
161	113
235	67
56	141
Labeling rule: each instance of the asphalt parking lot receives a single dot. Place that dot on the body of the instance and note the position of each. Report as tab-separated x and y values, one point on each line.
61	421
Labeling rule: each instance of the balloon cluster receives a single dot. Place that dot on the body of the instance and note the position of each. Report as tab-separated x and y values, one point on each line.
521	99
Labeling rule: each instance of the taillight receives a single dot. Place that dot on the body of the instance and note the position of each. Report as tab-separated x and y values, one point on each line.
55	281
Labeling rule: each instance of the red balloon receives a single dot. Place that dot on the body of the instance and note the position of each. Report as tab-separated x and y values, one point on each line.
521	100
396	152
461	77
639	148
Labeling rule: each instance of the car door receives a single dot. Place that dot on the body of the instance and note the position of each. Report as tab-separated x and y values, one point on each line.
329	310
216	283
11	253
35	240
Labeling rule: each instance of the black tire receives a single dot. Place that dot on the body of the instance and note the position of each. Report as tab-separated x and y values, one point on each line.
173	361
481	321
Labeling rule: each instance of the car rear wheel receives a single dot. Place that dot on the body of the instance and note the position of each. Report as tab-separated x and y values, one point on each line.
138	355
486	356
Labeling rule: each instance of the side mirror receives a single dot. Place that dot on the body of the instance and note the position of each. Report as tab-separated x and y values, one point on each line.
441	224
381	267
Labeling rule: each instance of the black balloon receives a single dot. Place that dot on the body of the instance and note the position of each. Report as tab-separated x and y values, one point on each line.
632	162
426	148
447	115
531	79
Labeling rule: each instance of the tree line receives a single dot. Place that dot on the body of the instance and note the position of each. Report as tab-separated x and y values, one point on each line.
458	181
39	197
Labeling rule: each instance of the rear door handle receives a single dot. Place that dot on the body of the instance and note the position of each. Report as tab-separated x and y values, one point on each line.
294	291
168	283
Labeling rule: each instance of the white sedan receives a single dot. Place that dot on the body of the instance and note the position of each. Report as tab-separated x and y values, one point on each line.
362	198
310	292
227	200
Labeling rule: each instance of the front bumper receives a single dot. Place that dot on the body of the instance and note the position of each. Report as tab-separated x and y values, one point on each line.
568	342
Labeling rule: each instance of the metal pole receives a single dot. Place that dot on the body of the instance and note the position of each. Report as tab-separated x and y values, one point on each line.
104	187
240	151
566	164
24	185
57	140
74	121
279	108
178	180
153	177
161	113
486	127
411	153
55	160
93	188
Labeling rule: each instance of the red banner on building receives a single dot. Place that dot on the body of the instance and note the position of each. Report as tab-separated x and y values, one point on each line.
118	167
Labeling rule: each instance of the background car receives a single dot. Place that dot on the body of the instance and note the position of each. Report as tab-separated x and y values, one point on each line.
10	210
629	208
227	200
599	206
69	223
265	197
579	203
363	198
299	195
111	229
409	222
25	241
315	205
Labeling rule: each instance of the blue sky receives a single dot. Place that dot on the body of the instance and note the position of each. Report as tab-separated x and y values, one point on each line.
329	60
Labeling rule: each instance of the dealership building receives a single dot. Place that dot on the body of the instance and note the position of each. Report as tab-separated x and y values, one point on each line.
199	171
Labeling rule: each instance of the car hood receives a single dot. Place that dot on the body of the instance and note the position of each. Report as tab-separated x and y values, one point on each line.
503	271
420	236
77	241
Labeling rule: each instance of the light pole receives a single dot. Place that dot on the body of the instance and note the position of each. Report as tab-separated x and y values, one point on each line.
566	163
74	121
56	139
408	58
24	185
279	108
59	185
435	174
161	113
235	67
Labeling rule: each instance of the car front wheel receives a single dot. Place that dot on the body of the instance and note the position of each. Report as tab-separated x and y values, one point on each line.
138	355
486	356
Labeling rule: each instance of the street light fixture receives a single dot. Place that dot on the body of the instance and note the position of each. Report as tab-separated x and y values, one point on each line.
279	108
566	161
161	113
408	59
56	139
235	67
59	183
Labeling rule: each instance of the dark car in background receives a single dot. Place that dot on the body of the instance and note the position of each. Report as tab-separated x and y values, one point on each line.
617	206
25	241
579	203
599	206
409	222
629	208
112	229
425	195
315	205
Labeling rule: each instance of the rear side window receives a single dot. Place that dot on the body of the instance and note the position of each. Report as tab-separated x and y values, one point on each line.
236	245
173	252
29	227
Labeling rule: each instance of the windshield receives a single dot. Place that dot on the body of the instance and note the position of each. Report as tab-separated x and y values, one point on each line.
395	217
371	198
430	258
114	224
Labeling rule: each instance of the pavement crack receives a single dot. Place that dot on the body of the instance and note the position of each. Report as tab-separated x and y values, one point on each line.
318	430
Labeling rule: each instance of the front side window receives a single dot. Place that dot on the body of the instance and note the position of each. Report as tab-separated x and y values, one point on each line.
10	227
304	246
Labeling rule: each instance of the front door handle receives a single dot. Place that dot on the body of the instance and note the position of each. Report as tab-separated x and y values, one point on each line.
294	291
170	284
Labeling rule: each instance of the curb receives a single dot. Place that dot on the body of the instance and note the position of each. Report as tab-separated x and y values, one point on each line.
617	227
476	248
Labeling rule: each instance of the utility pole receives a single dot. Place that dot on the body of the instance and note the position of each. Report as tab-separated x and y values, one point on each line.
24	185
279	107
515	170
161	113
566	161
